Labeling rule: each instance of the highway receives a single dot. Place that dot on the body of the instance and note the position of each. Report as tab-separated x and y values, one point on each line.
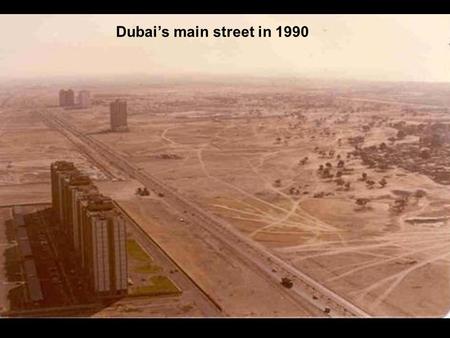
306	291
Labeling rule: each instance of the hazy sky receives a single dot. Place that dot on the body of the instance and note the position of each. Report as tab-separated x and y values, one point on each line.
374	47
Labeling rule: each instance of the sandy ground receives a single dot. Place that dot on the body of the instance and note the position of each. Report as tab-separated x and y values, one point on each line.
229	167
384	262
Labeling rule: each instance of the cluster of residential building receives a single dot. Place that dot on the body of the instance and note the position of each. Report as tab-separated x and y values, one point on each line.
95	228
67	99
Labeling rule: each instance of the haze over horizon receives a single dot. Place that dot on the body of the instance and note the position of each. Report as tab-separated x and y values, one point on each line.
361	47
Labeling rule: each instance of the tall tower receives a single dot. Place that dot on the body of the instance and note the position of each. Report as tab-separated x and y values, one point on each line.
118	115
62	98
104	254
66	98
84	99
57	169
70	97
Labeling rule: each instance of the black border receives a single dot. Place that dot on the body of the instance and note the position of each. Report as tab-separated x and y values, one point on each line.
227	7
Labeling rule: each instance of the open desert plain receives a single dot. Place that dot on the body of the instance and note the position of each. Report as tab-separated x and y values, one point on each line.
283	197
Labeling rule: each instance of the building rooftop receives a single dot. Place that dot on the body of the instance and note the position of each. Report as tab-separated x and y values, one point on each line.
63	165
77	178
98	202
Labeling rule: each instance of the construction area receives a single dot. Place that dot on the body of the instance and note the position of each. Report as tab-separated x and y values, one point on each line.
246	199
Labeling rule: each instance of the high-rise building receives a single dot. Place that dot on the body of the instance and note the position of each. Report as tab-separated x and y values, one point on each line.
103	246
118	115
62	98
70	97
56	170
66	98
84	99
74	185
95	228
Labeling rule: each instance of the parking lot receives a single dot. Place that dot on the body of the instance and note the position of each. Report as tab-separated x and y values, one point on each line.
61	278
45	271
